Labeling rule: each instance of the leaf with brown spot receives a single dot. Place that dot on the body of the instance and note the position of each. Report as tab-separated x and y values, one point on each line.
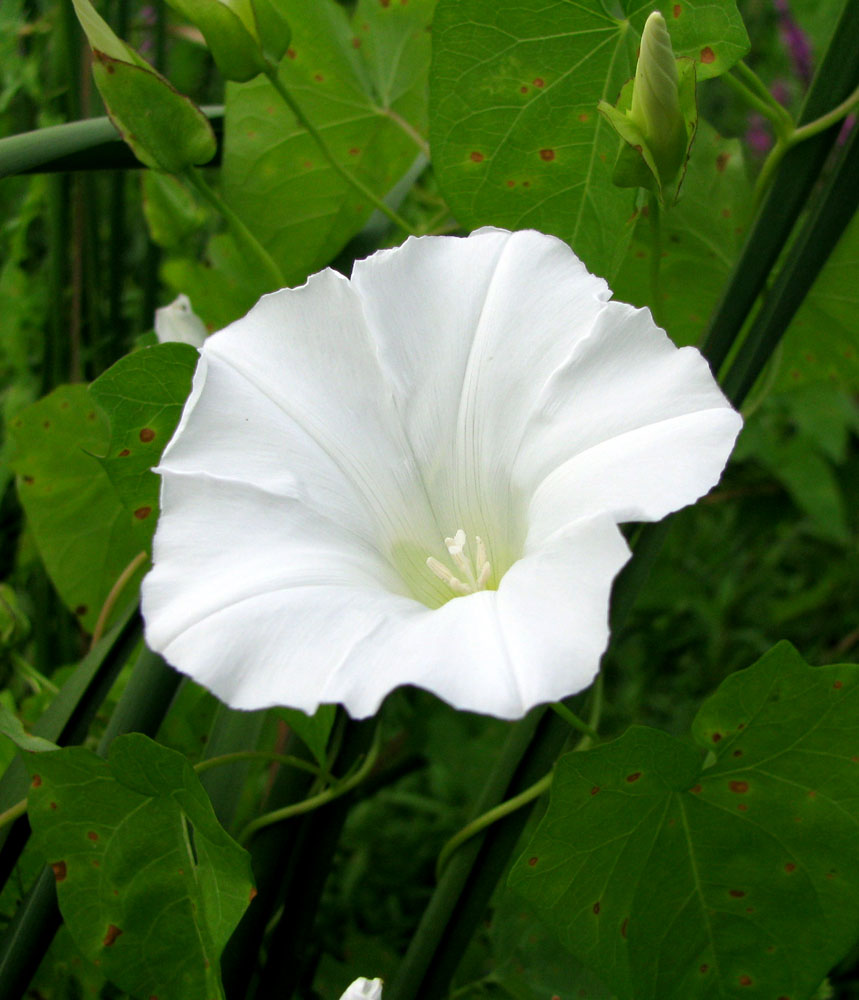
766	889
143	801
83	533
143	395
574	55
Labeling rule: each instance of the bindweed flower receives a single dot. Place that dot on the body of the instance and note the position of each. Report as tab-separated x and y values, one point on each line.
179	323
416	476
364	989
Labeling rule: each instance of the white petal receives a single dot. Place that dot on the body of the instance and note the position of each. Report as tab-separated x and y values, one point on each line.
364	989
629	425
290	398
468	332
178	322
267	604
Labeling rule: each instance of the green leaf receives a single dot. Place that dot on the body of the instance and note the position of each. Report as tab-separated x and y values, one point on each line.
149	884
11	726
171	211
516	137
143	395
164	129
314	729
822	342
223	286
84	534
701	238
363	85
100	35
725	869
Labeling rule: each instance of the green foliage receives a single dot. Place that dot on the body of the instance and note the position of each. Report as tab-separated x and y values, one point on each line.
680	871
164	128
84	534
515	135
142	395
362	82
232	41
313	730
149	884
822	340
699	240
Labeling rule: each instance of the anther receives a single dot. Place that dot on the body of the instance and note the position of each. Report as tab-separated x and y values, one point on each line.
476	574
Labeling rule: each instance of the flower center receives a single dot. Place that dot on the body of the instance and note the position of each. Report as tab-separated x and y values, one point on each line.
473	573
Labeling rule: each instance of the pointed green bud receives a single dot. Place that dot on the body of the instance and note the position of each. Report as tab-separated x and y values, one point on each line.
164	129
273	29
656	101
656	116
240	33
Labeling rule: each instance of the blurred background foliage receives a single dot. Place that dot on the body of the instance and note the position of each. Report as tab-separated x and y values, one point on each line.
85	258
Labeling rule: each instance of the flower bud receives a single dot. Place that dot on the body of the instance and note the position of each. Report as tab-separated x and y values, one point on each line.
656	116
230	30
179	323
364	989
164	129
241	34
656	101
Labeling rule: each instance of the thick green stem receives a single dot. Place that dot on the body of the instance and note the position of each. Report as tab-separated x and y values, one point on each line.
836	78
326	151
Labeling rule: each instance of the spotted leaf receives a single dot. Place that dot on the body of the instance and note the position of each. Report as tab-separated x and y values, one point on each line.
727	867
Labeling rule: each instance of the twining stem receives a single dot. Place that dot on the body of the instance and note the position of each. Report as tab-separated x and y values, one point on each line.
570	717
12	813
113	596
488	818
534	791
800	134
315	801
758	97
350	178
243	235
270	755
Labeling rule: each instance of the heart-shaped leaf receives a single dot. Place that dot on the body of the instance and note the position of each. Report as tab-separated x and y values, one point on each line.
726	869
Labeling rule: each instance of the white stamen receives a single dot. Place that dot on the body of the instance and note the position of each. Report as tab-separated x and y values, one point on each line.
476	574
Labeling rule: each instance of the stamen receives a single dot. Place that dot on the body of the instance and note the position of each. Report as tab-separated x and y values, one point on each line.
476	574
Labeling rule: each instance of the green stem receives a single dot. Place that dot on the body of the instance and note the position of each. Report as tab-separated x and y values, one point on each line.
836	78
315	801
270	755
572	719
824	122
243	235
655	259
326	151
12	813
769	108
793	137
492	816
534	791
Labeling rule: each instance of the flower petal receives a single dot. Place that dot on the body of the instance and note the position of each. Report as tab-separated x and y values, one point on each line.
290	398
266	603
629	425
468	331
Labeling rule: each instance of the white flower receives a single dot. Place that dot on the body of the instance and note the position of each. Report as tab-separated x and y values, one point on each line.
178	322
364	989
416	476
